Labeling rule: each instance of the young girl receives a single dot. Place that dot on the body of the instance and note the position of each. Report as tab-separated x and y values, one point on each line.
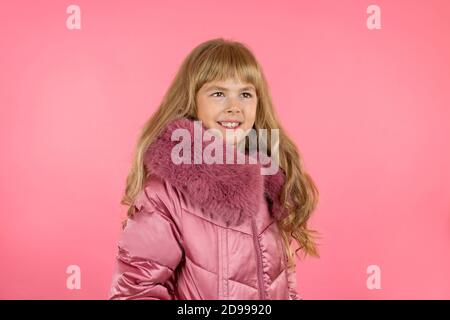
199	230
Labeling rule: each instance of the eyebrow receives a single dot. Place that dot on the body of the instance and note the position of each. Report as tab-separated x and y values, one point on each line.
214	87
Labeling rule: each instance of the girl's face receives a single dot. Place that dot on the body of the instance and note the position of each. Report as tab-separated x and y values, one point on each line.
227	106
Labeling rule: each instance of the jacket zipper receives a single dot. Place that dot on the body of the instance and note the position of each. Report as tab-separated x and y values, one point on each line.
259	262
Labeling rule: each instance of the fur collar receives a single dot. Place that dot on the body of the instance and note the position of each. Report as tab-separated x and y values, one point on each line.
231	192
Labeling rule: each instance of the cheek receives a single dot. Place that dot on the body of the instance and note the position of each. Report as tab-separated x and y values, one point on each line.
206	112
250	115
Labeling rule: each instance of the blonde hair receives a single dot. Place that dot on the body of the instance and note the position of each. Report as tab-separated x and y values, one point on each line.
220	59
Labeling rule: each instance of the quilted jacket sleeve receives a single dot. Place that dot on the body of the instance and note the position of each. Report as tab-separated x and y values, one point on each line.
150	247
292	284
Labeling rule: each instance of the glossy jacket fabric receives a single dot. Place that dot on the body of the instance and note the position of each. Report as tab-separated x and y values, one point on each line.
203	231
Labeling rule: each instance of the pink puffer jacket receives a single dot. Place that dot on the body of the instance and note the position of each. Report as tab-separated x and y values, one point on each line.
203	231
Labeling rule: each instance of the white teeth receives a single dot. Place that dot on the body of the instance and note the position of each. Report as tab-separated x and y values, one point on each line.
230	124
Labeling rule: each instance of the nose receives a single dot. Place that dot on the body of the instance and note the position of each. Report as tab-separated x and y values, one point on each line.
233	108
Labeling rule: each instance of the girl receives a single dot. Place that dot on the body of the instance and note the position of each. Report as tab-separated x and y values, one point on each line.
199	230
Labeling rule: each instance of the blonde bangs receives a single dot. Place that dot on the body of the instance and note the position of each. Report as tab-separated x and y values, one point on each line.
219	63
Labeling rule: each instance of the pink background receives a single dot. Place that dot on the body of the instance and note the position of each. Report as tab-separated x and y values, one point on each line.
369	110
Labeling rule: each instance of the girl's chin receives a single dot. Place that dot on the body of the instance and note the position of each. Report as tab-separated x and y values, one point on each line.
232	142
232	132
231	137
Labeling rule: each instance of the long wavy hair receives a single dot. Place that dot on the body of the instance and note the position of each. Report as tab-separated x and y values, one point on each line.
220	59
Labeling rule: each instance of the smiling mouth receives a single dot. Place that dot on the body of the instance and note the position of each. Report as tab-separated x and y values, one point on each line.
229	124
